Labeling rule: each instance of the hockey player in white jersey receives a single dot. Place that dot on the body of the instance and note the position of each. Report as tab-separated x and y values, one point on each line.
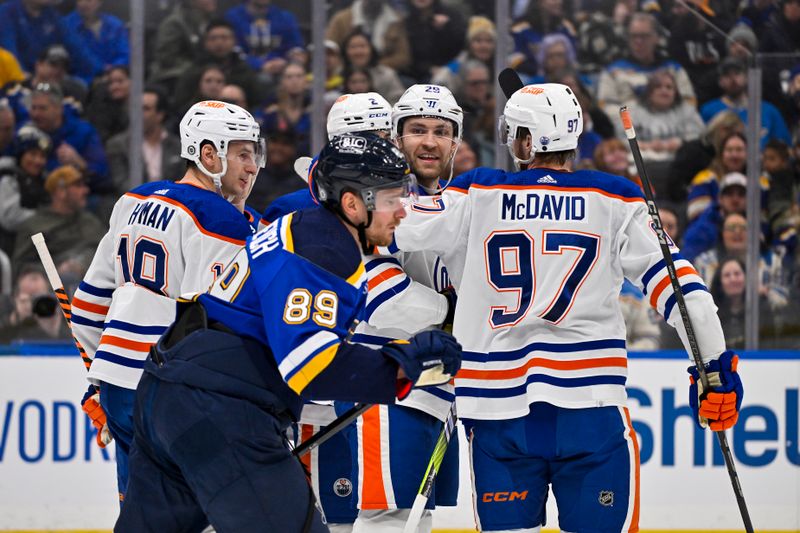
541	255
406	295
165	239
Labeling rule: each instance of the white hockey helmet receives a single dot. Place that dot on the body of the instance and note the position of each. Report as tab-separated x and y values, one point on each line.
423	100
353	113
219	123
550	112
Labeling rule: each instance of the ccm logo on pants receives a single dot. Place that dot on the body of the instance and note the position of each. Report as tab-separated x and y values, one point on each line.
489	497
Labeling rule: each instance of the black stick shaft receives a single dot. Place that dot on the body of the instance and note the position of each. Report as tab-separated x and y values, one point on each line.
331	429
681	302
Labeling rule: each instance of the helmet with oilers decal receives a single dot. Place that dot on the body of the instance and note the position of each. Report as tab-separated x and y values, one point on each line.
359	162
550	112
218	123
359	112
427	101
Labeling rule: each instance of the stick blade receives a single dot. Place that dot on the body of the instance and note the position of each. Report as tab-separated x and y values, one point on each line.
509	81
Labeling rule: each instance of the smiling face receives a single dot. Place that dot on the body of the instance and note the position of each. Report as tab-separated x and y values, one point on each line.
734	154
358	51
428	145
664	91
734	234
732	278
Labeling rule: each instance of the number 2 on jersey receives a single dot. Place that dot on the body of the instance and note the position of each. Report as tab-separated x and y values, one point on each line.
510	268
149	268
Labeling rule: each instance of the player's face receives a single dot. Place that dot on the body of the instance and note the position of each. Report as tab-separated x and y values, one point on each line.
242	169
384	221
428	145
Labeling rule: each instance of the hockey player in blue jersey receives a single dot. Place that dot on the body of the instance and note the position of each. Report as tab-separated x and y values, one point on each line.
541	255
165	238
229	376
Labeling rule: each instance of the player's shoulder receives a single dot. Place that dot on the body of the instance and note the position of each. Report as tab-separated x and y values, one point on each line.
285	204
321	238
609	185
209	211
481	176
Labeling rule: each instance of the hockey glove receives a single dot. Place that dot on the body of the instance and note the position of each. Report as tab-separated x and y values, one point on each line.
91	406
427	358
717	408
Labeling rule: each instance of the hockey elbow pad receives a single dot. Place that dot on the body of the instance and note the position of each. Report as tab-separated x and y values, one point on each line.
718	407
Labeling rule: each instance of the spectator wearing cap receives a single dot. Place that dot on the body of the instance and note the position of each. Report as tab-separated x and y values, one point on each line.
266	34
22	186
694	45
742	42
383	26
733	82
75	141
219	49
51	68
278	177
703	232
103	39
178	40
160	148
69	229
360	54
481	44
622	81
28	27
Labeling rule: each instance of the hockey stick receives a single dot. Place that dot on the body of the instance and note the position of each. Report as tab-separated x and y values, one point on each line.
63	301
331	429
509	81
426	487
687	322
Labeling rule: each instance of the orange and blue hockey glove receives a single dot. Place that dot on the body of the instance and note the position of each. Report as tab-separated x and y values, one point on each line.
718	407
91	406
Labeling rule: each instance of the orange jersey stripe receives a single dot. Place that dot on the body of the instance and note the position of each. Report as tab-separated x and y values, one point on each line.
559	189
389	273
89	306
188	212
306	431
665	281
126	343
373	494
543	363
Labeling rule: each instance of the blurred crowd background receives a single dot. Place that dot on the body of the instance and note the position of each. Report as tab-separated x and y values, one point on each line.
681	64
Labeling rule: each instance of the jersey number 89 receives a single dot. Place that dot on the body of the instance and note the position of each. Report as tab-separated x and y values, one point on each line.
299	303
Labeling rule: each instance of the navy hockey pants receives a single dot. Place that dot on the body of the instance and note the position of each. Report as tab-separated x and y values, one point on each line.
201	457
118	405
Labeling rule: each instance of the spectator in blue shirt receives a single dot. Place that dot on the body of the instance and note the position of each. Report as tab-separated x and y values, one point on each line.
27	27
733	81
265	33
103	39
75	141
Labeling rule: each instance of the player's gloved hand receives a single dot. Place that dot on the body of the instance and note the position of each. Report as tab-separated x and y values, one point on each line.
718	407
427	358
452	298
91	406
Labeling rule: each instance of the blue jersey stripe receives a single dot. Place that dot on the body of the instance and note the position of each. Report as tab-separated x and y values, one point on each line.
385	295
480	357
540	378
135	328
119	359
95	291
686	289
655	269
439	393
82	321
363	338
374	263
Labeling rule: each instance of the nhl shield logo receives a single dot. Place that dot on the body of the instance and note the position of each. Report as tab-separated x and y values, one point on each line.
606	498
342	487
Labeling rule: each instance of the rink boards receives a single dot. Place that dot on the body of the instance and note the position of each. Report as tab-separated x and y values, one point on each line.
53	476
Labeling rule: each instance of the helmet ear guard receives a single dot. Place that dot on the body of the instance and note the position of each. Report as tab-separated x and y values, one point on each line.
550	112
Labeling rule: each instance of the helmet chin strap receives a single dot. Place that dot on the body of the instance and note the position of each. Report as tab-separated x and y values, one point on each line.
519	162
452	163
216	178
361	228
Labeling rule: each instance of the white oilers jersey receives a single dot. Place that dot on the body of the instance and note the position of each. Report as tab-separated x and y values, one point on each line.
538	259
402	300
165	239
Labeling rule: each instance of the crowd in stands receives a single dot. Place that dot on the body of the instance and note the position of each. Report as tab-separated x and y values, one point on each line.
680	64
